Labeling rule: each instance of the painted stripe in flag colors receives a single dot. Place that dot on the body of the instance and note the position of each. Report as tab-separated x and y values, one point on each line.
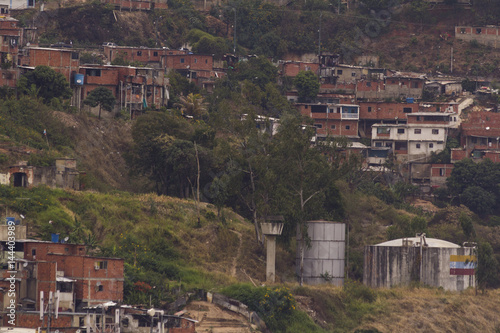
462	265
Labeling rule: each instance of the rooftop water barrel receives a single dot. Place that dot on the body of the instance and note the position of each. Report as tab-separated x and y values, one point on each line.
410	100
54	238
13	219
79	79
324	260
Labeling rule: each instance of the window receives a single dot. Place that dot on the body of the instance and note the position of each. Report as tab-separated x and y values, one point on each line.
75	55
417	145
100	288
478	31
101	264
353	74
441	172
407	110
378	144
401	130
393	81
182	60
139	53
333	127
417	131
431	145
318	125
414	84
462	30
195	60
206	61
403	83
435	131
65	287
155	53
383	130
369	109
81	321
93	72
347	127
368	84
418	118
339	72
33	252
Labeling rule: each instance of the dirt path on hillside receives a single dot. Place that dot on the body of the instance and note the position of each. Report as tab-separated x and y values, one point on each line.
238	254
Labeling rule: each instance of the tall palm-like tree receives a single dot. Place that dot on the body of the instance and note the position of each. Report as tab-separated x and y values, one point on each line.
192	105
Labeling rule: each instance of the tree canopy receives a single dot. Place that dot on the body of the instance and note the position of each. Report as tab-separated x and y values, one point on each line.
475	185
102	97
49	83
307	84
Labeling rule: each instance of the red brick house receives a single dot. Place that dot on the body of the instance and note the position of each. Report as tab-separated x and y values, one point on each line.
195	67
81	279
10	38
439	174
292	68
64	61
480	137
148	56
134	88
332	119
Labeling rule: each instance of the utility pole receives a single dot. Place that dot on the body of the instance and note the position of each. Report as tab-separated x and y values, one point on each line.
234	28
319	36
451	64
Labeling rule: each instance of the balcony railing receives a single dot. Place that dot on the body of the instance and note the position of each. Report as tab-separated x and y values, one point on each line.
350	115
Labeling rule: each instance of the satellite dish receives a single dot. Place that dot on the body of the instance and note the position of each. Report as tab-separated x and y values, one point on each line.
22	216
66	239
151	312
25	264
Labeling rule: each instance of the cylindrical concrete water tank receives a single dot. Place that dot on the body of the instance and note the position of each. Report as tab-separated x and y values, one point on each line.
324	259
432	262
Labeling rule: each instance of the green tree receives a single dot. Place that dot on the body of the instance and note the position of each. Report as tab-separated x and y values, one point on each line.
102	97
192	105
258	70
487	266
49	83
303	177
307	84
475	185
478	200
467	226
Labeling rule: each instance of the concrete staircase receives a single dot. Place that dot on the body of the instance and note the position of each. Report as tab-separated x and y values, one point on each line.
213	319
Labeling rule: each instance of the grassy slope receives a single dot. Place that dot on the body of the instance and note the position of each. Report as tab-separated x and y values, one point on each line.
401	309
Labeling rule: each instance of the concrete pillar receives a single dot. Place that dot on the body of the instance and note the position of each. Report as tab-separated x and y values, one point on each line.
271	230
271	258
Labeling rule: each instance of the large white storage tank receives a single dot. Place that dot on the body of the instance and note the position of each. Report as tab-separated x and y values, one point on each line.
432	262
324	259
